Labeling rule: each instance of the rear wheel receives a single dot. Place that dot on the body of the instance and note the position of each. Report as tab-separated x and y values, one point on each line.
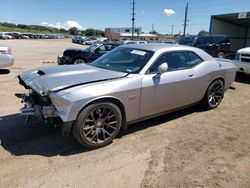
98	124
214	95
79	61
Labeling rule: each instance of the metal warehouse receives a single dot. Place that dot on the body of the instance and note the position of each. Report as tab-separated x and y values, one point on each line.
235	25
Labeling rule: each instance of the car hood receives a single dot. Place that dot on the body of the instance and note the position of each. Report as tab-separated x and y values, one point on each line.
55	78
244	50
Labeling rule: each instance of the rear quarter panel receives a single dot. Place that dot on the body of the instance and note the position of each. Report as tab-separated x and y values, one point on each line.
209	71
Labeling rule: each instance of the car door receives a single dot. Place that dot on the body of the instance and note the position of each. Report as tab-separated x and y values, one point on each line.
98	52
173	89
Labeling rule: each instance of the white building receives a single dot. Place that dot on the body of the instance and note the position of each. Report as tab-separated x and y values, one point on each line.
125	33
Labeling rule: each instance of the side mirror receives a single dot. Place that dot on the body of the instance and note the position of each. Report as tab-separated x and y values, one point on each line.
162	68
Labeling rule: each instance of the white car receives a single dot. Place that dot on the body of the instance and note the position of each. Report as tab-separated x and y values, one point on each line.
6	57
89	42
242	60
135	42
5	36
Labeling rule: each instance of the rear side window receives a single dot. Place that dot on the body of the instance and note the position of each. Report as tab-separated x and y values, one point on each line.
220	39
193	59
187	41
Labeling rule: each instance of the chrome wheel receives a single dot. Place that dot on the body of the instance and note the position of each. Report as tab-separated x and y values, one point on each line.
98	124
215	93
79	61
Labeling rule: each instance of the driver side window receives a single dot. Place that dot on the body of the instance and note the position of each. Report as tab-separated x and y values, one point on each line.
175	61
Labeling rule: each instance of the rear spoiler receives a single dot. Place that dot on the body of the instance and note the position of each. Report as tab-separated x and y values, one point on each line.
224	60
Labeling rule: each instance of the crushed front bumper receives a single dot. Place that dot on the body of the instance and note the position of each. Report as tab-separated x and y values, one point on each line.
47	112
32	109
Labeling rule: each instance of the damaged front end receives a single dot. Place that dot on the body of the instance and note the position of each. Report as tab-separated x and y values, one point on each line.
37	105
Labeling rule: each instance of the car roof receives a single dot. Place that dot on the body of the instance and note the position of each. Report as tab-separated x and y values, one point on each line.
158	46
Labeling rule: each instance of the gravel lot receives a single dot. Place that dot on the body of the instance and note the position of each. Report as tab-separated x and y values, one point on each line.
189	148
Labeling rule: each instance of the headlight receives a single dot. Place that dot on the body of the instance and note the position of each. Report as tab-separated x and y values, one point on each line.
237	56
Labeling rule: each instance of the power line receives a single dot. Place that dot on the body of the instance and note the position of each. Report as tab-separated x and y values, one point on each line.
133	18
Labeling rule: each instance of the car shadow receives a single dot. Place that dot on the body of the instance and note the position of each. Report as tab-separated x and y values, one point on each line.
160	119
36	138
242	78
4	71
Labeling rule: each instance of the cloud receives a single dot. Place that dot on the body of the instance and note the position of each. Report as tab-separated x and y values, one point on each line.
169	12
67	25
72	23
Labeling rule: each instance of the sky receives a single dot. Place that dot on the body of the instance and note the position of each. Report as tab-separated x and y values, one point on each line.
100	14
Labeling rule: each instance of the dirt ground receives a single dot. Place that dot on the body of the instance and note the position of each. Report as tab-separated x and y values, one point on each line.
189	148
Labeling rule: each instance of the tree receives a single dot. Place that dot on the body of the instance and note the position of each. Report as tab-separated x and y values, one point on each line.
73	30
203	33
99	33
90	32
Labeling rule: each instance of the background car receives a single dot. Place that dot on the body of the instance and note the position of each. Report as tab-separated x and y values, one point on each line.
187	40
87	55
215	45
242	60
6	57
169	41
79	39
5	36
90	42
129	84
135	42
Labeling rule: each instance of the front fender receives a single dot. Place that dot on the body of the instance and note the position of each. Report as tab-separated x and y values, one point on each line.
68	110
71	101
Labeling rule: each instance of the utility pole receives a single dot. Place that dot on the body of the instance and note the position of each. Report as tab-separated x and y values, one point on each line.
133	18
172	30
185	20
153	27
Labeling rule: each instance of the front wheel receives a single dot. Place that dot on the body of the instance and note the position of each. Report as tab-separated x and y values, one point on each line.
97	125
214	94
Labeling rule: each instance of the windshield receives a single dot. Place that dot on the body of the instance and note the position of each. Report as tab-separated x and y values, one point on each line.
92	48
122	59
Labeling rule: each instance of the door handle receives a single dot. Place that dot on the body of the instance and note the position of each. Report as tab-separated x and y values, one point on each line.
190	75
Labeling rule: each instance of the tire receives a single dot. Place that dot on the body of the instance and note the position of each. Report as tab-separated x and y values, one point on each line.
214	95
221	55
97	125
78	61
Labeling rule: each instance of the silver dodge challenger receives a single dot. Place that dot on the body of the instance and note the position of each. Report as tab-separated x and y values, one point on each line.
128	84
